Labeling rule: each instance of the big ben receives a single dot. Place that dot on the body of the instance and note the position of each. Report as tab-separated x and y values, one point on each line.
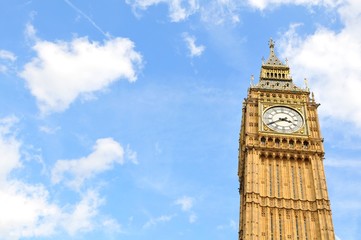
283	192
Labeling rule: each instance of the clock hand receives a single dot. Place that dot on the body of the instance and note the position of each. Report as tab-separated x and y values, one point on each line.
280	119
285	119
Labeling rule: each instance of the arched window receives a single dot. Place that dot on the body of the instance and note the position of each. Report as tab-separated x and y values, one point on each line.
263	140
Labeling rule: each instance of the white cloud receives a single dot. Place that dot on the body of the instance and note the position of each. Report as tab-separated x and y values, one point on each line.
9	148
6	58
131	155
26	210
221	11
7	55
331	61
49	130
155	221
81	219
106	153
232	224
112	225
179	10
194	50
215	12
185	202
192	218
64	71
262	4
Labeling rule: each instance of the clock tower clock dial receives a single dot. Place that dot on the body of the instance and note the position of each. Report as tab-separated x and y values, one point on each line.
283	119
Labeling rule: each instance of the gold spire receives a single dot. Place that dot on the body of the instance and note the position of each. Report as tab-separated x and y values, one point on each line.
273	59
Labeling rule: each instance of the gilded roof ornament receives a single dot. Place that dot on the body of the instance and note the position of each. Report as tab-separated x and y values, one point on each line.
273	59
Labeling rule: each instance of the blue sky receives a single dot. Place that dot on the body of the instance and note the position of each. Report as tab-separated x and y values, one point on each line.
119	119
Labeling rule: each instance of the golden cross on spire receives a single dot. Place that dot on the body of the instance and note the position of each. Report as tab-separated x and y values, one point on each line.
271	43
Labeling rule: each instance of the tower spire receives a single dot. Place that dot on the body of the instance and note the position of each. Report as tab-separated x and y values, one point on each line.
273	59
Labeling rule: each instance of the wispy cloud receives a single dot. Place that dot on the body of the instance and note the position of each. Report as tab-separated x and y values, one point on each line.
232	224
179	10
263	4
7	55
186	204
220	12
214	12
194	50
49	130
343	163
155	221
106	153
6	60
87	18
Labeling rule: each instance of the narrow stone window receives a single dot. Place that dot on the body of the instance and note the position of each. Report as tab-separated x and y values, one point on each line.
271	226
280	225
297	231
293	181
270	180
301	184
278	181
305	226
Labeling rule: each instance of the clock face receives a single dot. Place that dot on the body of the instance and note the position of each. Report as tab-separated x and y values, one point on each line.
283	119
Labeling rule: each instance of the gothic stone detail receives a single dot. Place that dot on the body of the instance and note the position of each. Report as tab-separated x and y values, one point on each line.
282	181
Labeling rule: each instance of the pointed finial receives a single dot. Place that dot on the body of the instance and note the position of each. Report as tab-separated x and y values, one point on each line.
252	79
312	97
306	83
271	43
262	60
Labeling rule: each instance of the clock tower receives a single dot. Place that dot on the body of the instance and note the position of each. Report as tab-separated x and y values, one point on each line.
283	192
